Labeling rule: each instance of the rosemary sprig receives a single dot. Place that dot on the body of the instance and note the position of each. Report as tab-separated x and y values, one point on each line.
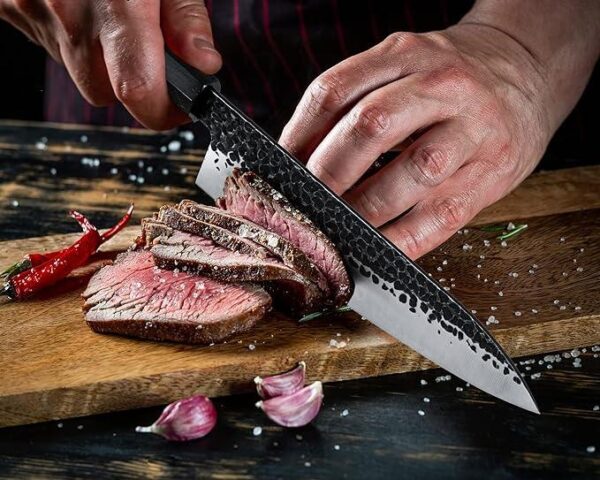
312	316
518	229
493	228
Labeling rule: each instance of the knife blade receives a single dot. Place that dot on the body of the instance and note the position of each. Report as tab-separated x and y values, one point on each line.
391	291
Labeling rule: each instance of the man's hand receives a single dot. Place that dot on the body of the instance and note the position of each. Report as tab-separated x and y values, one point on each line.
478	102
114	49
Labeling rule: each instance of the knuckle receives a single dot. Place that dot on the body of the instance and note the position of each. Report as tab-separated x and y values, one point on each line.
191	9
327	94
133	90
429	165
370	203
401	41
407	241
369	120
450	213
440	41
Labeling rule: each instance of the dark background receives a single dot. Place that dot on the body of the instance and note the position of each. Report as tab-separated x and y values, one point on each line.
22	67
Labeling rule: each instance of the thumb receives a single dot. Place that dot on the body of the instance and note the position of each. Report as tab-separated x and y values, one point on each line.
187	32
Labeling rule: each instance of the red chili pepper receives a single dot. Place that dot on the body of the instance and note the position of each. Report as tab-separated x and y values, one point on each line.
38	271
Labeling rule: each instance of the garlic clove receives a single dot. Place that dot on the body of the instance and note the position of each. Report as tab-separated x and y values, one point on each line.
295	410
183	420
282	384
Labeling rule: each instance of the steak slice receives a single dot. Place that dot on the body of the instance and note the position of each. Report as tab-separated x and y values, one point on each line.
173	249
249	196
291	256
172	217
135	298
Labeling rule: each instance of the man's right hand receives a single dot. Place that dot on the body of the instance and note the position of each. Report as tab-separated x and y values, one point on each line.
114	49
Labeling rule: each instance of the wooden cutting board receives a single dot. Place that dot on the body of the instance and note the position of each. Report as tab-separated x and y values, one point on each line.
52	366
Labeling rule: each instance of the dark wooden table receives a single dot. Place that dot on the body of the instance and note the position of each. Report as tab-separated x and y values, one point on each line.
367	429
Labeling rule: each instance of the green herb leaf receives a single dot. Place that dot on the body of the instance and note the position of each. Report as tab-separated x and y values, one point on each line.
312	316
493	228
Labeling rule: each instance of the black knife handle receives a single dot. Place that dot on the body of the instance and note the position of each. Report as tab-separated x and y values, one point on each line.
186	84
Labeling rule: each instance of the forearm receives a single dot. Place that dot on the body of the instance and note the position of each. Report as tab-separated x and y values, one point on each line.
562	37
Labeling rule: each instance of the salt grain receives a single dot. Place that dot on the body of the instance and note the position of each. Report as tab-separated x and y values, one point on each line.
580	269
423	382
344	413
14	203
421	412
517	314
174	146
114	171
466	247
590	449
40	146
493	309
256	431
336	447
251	346
426	400
500	294
503	244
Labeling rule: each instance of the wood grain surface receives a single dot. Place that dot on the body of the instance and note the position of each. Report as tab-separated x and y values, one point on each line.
463	433
55	367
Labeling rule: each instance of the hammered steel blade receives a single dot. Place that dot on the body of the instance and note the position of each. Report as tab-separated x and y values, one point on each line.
390	290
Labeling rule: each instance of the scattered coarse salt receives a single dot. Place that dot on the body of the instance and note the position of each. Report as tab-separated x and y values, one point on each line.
596	408
536	376
14	203
344	413
423	382
53	171
577	308
564	274
336	447
256	431
251	346
40	146
479	265
533	310
503	244
581	250
556	302
183	170
445	262
114	171
439	269
140	164
141	180
307	464
132	177
426	400
493	308
580	269
79	427
83	139
562	239
59	425
590	449
466	247
510	226
459	389
486	243
500	293
174	146
473	312
421	412
299	437
531	271
518	313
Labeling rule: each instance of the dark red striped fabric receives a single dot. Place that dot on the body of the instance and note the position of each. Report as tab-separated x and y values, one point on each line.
273	49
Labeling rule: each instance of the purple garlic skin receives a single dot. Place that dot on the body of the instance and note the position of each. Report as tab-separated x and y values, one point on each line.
282	384
295	410
184	420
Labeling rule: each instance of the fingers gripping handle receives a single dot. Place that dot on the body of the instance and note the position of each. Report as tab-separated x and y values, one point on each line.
186	84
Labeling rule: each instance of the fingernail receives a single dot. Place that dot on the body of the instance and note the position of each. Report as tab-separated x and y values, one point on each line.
203	44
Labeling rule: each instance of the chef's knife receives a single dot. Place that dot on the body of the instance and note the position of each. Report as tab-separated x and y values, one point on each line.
390	290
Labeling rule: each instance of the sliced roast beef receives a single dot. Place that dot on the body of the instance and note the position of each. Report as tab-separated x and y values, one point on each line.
135	298
290	255
173	249
251	197
172	217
